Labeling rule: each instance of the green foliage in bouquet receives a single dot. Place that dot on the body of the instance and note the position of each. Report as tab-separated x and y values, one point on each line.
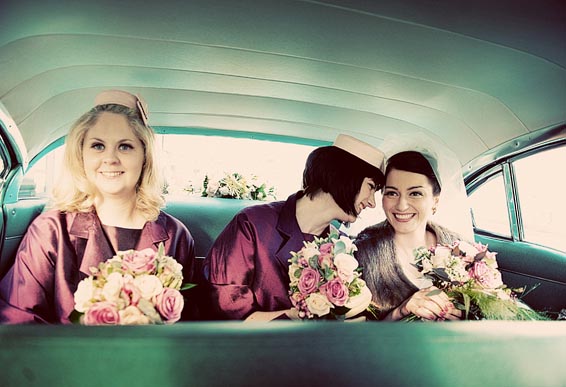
468	274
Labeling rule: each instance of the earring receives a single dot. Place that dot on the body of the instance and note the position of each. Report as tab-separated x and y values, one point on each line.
433	210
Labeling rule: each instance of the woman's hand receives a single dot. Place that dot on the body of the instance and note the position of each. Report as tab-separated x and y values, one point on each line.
430	304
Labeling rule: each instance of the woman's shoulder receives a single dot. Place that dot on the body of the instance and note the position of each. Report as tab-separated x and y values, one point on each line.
169	221
443	234
55	216
260	212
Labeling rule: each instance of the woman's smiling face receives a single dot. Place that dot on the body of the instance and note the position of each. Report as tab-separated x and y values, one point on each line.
408	201
113	156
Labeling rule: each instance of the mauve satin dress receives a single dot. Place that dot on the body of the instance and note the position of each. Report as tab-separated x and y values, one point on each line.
56	254
247	267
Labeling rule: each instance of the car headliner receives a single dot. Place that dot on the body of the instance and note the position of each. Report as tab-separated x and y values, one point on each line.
474	74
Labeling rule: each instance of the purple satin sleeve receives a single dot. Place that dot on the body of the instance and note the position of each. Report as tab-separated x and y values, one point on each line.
229	271
27	290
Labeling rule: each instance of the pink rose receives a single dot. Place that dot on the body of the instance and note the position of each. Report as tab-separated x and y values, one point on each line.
325	257
485	276
308	282
130	293
170	304
336	292
137	262
325	248
102	313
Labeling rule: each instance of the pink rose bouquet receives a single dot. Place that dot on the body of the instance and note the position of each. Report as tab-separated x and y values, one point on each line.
469	275
325	279
132	288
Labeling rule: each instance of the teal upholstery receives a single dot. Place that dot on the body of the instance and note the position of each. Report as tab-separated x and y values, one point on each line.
206	217
17	218
286	353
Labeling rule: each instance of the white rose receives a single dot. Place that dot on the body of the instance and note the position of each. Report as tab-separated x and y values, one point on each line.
318	304
84	295
467	248
132	316
211	187
170	265
350	246
113	286
427	265
224	191
439	258
309	252
149	286
359	303
346	264
292	269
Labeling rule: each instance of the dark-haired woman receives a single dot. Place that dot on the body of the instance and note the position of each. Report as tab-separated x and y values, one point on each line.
410	198
246	270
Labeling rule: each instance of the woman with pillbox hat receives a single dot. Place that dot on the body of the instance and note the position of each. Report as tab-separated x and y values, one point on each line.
246	270
108	199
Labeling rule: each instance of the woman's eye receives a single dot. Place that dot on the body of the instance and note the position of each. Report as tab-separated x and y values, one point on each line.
125	147
97	146
372	186
416	193
390	193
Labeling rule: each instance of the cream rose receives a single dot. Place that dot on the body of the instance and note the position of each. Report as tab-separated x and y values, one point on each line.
318	304
113	287
345	265
310	252
149	286
359	303
440	256
350	246
132	316
84	295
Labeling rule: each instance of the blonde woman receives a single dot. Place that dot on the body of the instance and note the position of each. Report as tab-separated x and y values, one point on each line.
108	200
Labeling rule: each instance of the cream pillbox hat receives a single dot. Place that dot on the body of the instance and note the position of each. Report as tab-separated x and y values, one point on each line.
360	149
119	97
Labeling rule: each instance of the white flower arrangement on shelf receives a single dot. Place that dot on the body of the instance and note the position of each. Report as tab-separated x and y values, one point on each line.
237	186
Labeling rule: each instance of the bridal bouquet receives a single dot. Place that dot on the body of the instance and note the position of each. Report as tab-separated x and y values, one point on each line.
325	279
132	288
237	186
468	274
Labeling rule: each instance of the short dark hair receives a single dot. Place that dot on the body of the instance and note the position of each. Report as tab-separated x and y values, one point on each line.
339	173
412	161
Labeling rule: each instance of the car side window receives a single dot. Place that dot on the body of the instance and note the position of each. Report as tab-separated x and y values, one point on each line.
541	197
489	206
188	159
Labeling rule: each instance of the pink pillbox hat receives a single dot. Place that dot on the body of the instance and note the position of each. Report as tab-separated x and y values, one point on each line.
119	97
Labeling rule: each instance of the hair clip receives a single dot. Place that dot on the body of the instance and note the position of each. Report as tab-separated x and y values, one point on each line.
120	97
142	107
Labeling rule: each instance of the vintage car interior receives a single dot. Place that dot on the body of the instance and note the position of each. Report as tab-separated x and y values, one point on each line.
487	79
